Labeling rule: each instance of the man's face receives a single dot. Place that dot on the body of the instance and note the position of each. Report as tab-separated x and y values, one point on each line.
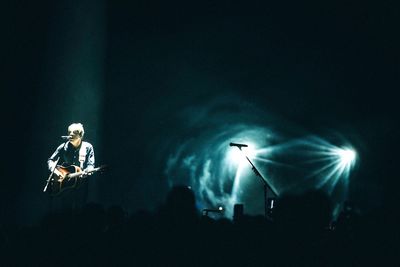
74	135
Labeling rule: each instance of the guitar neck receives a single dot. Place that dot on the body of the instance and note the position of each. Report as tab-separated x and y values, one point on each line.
76	174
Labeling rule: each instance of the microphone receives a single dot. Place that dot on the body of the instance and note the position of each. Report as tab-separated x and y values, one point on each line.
66	137
206	211
238	145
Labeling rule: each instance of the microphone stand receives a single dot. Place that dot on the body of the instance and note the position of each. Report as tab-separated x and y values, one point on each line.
265	183
51	175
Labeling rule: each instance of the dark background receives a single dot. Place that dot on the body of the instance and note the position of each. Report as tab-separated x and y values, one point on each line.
127	69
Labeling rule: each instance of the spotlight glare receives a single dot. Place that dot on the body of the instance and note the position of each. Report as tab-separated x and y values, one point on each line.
239	156
250	151
335	164
347	156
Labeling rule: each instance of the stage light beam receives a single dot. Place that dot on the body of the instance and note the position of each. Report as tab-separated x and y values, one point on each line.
238	156
347	156
341	161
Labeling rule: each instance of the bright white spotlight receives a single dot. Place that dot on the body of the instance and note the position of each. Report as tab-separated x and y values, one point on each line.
346	157
335	163
239	155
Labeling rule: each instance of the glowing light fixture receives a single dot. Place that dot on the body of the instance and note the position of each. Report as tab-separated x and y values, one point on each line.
338	163
347	156
239	155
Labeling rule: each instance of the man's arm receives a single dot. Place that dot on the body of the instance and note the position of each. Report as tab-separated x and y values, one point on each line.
52	161
90	158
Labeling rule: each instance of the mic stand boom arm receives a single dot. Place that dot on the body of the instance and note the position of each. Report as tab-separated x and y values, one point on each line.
266	185
259	175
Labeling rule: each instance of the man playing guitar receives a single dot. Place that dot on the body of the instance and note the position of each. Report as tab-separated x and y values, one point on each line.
73	156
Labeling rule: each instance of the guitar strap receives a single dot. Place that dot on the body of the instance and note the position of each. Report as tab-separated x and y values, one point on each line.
82	155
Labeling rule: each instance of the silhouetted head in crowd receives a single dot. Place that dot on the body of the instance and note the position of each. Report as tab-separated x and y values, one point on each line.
180	203
311	210
181	198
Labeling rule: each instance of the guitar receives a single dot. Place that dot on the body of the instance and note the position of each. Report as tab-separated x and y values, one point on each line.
63	178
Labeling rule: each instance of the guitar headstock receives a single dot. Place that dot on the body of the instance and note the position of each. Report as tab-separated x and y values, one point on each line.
100	169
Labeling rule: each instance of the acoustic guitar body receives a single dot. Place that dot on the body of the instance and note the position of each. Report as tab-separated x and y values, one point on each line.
67	177
62	179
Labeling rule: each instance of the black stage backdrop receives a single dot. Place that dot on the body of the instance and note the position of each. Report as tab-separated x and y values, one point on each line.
149	79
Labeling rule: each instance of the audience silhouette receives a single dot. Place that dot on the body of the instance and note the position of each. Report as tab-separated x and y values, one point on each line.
300	232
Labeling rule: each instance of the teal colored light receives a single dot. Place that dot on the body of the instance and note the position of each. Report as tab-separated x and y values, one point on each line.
347	156
322	164
238	156
336	163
